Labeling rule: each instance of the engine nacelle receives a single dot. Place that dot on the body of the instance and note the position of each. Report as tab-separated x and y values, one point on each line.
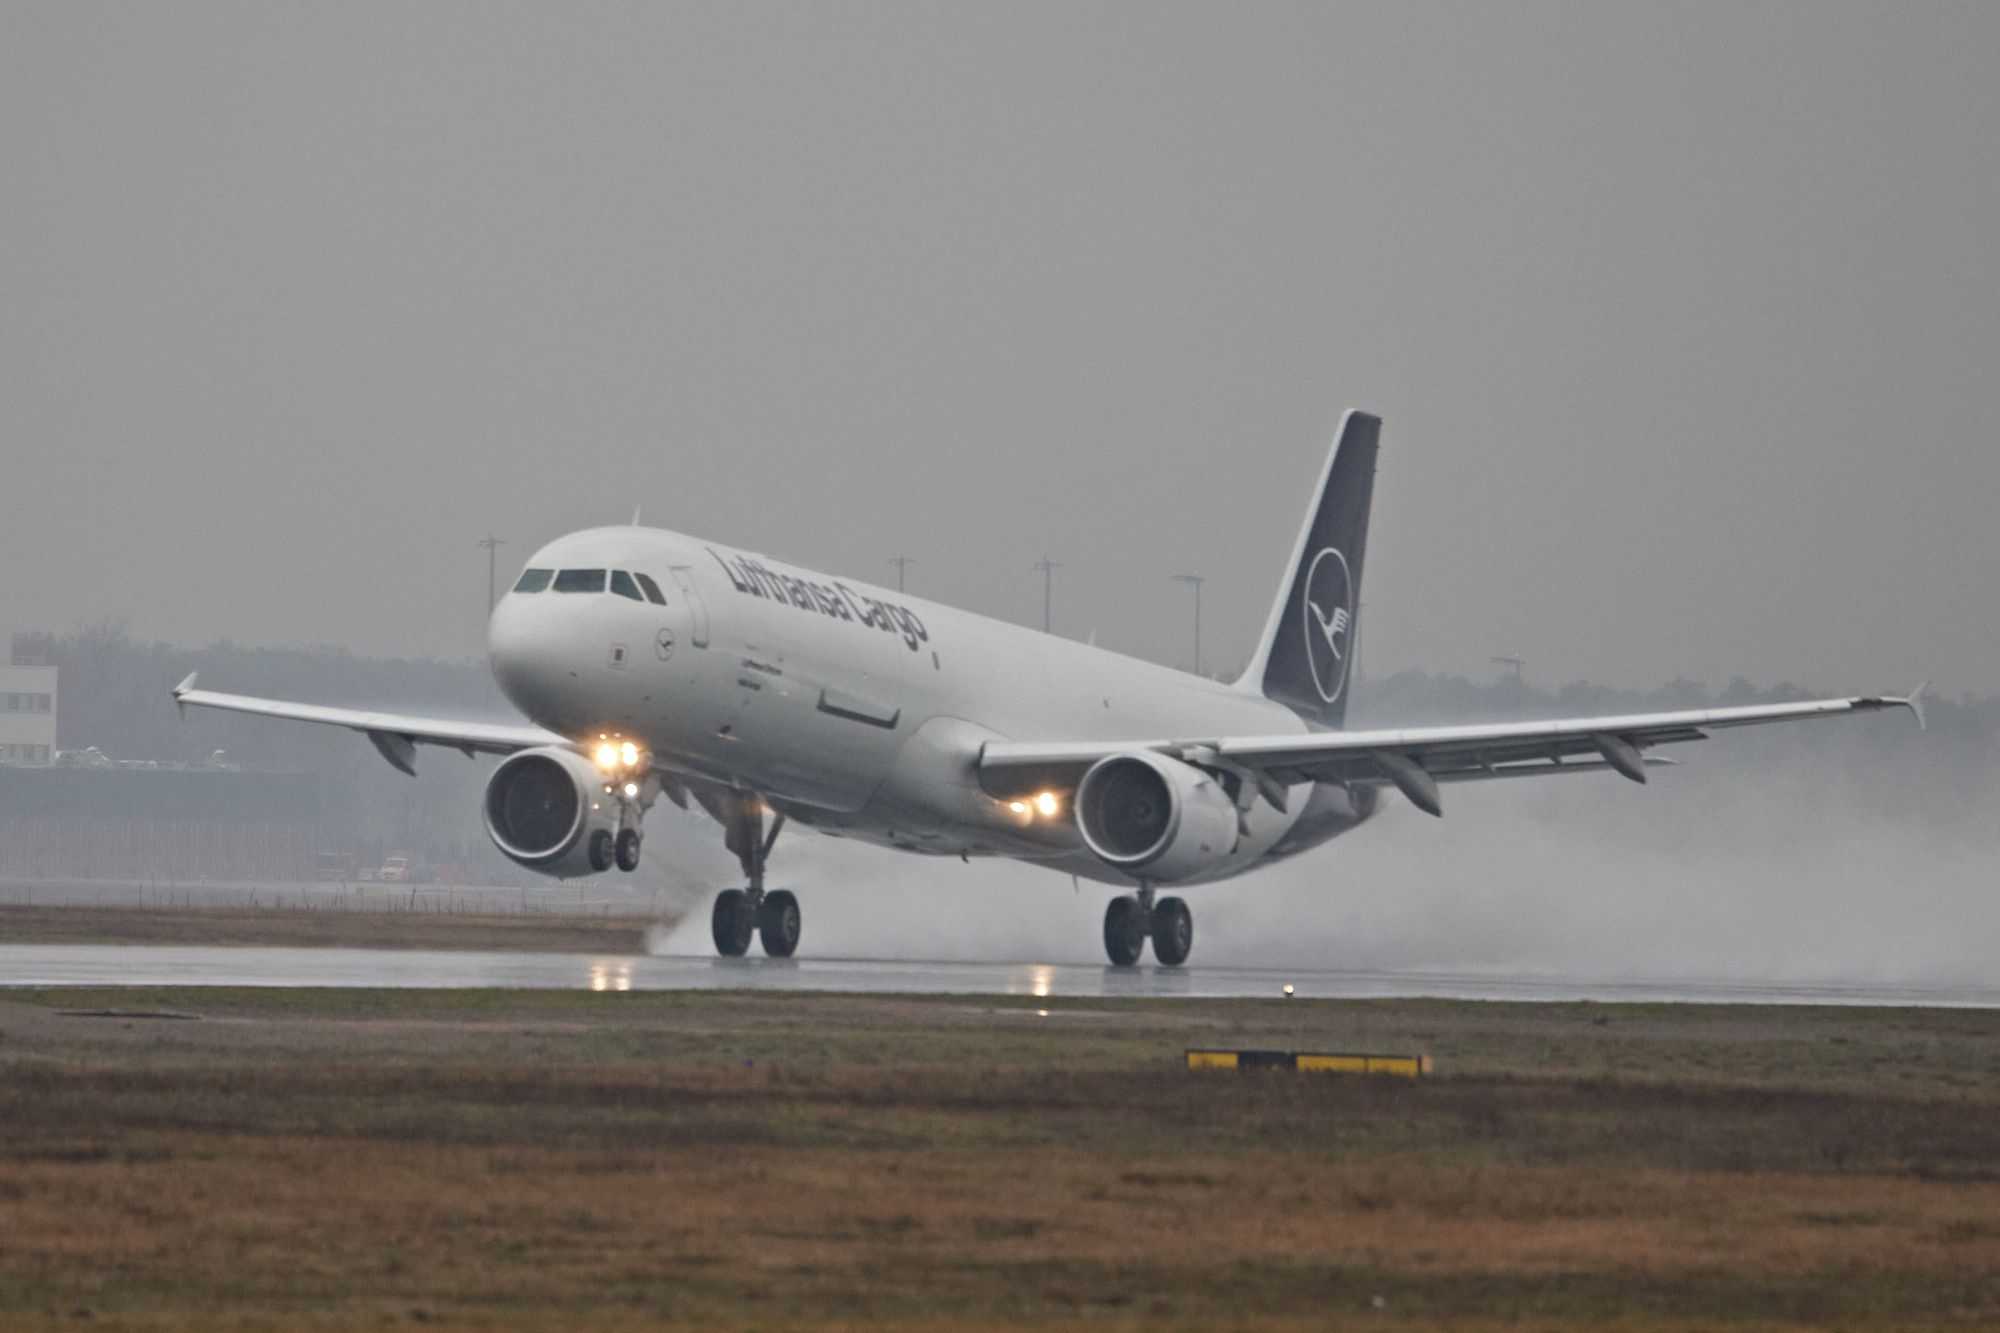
1155	818
544	807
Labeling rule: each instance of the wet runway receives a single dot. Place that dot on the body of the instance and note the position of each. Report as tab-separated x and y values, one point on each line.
149	965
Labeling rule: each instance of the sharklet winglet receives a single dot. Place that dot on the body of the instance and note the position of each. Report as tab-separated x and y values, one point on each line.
1914	701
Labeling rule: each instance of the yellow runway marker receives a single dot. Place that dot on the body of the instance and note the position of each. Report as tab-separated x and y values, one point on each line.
1318	1062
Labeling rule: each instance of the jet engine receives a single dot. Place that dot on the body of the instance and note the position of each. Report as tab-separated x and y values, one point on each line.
547	809
1153	817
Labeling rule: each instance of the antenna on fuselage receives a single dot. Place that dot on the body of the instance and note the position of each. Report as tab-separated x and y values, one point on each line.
635	516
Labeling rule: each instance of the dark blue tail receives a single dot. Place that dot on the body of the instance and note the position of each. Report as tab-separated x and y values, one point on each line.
1306	658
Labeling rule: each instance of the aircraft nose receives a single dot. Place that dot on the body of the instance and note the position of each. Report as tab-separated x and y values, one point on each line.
525	652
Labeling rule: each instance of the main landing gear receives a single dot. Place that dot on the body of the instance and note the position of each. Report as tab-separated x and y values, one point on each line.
741	913
1131	919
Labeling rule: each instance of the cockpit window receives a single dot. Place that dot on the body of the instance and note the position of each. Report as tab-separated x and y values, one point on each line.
534	580
580	580
621	583
652	589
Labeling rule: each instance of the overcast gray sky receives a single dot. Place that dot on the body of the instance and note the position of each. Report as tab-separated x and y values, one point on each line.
1682	318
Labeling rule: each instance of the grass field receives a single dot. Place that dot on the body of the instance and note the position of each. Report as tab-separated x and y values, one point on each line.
323	1159
318	927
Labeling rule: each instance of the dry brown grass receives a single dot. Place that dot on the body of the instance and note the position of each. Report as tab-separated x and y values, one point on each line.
325	1159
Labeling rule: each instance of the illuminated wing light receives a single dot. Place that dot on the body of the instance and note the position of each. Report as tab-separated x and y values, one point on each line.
1042	805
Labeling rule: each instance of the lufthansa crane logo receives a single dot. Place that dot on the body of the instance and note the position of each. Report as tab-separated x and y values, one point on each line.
1329	621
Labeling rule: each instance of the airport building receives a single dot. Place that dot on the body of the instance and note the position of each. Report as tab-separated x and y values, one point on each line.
27	715
81	815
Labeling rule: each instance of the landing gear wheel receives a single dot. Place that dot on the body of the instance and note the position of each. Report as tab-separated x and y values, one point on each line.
1124	930
778	923
732	923
627	849
1173	931
601	852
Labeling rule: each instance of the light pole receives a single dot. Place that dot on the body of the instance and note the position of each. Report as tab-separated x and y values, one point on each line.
901	562
492	545
1195	581
1048	568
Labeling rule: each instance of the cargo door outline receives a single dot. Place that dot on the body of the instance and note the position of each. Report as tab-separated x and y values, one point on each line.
697	609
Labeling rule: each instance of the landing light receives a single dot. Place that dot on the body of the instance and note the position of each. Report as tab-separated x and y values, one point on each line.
1042	805
631	790
617	759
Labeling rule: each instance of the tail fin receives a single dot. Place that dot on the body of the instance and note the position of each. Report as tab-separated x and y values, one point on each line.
1306	653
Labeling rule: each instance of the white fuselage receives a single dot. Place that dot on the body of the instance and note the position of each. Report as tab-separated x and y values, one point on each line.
856	710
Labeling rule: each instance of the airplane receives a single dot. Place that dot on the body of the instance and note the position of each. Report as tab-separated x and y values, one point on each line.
650	663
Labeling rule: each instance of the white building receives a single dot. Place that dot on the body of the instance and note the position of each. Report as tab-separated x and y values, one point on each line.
27	715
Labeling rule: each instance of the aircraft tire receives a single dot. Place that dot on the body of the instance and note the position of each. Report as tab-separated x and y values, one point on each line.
778	923
1124	930
626	850
1173	931
601	851
732	923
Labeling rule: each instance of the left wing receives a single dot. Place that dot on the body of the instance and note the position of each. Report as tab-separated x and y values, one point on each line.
395	735
1415	760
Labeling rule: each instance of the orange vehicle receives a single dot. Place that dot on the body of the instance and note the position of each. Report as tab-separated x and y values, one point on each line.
395	869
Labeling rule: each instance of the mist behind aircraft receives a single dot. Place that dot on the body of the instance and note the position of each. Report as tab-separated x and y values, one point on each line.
1804	859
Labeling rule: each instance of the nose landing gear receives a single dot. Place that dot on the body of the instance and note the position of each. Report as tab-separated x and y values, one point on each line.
1131	919
633	792
741	913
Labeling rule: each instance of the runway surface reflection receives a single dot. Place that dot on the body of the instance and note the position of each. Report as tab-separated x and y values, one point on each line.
148	965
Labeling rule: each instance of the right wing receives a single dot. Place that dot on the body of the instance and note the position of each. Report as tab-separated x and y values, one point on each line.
1414	759
395	735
